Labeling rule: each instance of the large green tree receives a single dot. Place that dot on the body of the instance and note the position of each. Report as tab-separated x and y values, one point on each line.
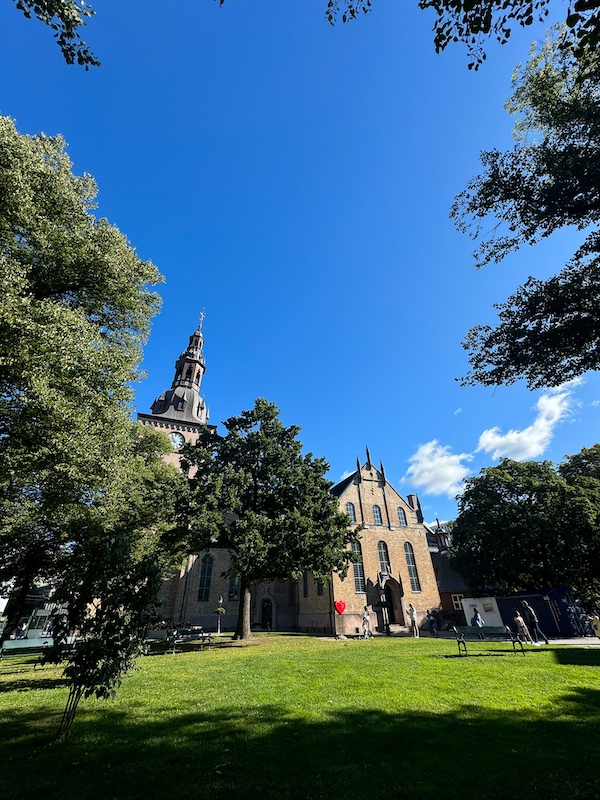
522	526
548	331
75	309
117	551
256	494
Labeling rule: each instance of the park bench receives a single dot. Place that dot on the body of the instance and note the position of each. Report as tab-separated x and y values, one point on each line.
13	648
181	635
487	633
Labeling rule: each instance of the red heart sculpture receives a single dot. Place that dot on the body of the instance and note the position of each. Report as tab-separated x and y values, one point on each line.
340	606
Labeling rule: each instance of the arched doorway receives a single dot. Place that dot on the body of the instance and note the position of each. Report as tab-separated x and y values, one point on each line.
389	598
266	614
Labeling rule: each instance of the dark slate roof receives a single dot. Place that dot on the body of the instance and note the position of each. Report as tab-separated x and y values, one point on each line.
448	580
339	489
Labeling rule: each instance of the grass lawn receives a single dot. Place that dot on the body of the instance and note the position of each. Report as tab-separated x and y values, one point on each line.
300	717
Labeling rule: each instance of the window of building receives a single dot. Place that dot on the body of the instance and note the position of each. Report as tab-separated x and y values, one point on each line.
413	575
205	578
320	588
384	559
402	517
377	516
305	583
359	571
456	604
292	593
351	511
234	587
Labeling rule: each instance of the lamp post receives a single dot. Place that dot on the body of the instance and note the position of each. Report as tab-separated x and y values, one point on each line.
219	612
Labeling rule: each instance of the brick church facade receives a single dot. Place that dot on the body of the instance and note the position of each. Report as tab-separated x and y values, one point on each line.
395	569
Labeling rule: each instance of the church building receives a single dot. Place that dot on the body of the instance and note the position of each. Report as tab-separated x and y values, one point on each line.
395	567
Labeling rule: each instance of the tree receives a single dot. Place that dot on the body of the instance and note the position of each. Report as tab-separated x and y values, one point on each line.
75	309
65	18
118	552
521	526
548	331
255	494
469	21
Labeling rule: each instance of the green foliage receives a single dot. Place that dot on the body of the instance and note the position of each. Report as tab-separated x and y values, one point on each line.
522	526
470	21
75	309
548	330
119	550
270	506
65	18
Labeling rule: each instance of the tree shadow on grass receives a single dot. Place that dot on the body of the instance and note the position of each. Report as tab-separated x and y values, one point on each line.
578	656
264	751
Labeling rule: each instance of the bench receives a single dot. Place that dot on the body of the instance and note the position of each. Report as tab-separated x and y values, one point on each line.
487	633
181	635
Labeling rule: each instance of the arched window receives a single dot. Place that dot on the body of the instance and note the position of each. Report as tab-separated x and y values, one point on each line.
377	515
205	578
384	558
402	517
351	511
359	571
413	575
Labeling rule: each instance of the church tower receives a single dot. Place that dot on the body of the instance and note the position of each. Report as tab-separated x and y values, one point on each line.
180	411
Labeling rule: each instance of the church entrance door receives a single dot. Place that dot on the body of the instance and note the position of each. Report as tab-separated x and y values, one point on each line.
389	597
266	616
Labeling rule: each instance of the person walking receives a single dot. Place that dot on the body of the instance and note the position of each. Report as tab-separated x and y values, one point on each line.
532	622
522	629
412	614
432	625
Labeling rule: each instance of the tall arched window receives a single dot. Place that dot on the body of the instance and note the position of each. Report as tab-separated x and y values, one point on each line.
351	511
359	571
205	578
384	558
377	515
402	517
413	575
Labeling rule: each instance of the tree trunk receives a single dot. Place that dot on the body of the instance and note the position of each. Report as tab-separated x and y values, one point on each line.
75	695
242	630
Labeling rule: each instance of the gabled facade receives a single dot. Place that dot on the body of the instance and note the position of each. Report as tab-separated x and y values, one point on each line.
395	567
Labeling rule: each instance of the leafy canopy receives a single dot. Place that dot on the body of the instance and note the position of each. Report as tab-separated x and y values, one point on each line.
470	21
75	309
548	331
522	525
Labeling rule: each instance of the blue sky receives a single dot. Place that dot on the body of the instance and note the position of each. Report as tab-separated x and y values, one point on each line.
295	179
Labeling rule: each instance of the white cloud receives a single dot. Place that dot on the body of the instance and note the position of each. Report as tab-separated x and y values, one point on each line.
595	403
345	475
436	470
552	408
458	411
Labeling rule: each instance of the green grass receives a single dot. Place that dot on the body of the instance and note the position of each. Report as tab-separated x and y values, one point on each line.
300	717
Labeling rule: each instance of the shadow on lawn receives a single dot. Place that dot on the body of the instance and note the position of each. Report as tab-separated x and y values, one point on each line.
264	752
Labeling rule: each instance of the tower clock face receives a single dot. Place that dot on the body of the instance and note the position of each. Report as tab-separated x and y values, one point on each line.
177	440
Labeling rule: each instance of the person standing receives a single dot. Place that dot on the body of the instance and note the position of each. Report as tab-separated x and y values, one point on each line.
431	621
412	615
532	622
366	624
477	621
